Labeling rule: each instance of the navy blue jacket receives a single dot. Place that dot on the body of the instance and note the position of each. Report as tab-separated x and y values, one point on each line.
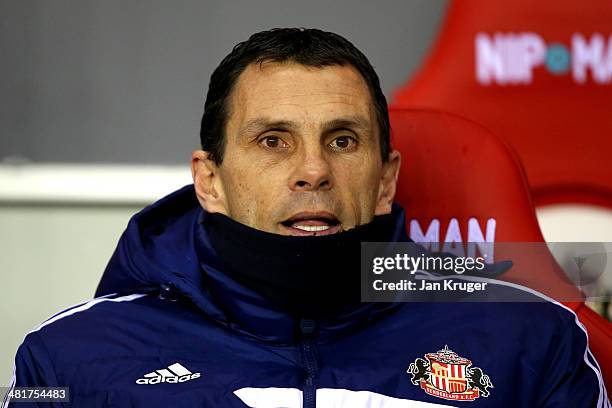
155	336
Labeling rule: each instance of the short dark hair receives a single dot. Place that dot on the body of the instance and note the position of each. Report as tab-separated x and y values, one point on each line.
309	47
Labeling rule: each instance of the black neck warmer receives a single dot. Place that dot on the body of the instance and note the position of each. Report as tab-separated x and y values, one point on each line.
313	276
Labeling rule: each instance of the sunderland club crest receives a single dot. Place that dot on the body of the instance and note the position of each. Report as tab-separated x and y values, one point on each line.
445	374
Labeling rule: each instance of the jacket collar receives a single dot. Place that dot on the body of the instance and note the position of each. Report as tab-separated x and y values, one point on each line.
165	249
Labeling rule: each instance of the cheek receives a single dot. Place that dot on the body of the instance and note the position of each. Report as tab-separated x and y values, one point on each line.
359	185
250	193
236	185
366	190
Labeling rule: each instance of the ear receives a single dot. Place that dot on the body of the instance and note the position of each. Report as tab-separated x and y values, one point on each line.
388	182
207	182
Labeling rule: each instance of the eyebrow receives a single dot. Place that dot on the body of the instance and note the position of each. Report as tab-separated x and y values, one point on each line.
349	122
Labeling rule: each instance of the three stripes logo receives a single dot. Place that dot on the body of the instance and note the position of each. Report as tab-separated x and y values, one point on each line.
175	373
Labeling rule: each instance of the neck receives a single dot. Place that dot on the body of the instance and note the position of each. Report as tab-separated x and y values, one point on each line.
314	276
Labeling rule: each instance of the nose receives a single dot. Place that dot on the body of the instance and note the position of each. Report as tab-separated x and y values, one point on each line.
312	172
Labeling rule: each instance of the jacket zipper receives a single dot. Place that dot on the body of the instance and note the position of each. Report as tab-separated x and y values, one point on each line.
308	354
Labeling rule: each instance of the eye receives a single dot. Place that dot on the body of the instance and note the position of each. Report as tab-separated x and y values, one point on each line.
273	142
343	143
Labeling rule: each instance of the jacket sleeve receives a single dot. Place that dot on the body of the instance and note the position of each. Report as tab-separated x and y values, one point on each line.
573	377
33	368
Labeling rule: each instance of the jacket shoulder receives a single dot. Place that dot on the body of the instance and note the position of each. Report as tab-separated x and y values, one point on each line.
80	332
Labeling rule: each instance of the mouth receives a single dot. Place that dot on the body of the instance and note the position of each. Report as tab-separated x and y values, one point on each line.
312	223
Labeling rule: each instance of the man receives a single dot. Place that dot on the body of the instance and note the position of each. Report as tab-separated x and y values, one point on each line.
242	290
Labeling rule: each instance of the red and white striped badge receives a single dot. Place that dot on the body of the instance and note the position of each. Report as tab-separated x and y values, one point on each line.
445	374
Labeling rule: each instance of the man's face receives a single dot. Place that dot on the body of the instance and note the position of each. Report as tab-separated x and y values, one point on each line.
302	153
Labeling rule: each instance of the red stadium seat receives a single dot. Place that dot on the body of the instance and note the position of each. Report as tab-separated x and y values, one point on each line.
539	75
460	182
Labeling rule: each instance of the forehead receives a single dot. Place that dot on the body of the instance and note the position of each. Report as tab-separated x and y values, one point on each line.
291	91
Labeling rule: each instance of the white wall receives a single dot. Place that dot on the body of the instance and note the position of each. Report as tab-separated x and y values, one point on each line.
575	223
59	225
51	258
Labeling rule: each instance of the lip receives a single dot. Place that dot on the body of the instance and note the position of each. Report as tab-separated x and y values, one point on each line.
313	218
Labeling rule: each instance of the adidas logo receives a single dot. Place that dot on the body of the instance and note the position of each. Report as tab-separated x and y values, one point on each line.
175	373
